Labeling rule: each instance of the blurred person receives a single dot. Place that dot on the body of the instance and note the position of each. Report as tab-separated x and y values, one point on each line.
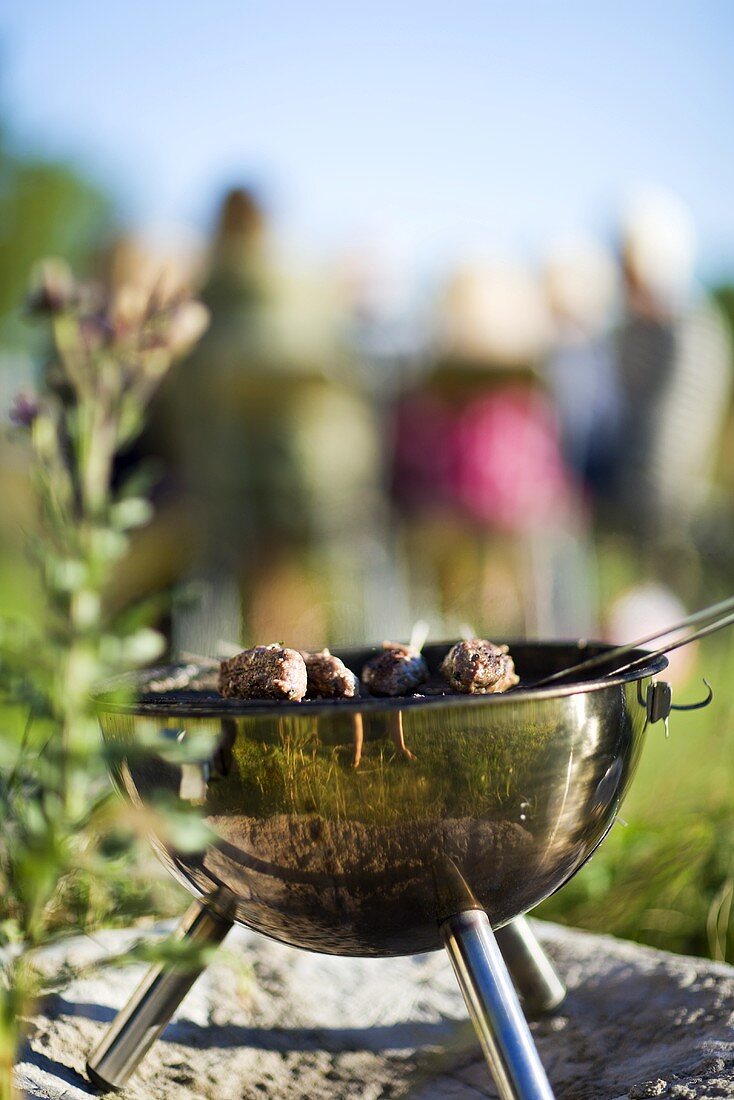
580	284
388	336
643	608
276	451
487	503
674	368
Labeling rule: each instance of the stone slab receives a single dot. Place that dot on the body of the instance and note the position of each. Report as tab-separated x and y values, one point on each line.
267	1021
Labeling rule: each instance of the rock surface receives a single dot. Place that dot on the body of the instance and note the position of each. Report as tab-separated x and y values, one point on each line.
269	1021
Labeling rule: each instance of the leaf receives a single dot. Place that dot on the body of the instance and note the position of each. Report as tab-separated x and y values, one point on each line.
139	648
108	546
130	513
176	746
182	826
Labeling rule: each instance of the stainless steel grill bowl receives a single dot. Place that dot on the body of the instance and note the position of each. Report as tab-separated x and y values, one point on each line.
458	802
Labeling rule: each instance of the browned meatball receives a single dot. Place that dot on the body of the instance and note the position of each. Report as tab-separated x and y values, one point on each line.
478	667
328	677
265	672
398	670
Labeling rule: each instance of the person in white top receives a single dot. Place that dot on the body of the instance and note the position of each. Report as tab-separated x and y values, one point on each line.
674	370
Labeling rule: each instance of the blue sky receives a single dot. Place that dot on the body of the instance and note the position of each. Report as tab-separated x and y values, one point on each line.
433	129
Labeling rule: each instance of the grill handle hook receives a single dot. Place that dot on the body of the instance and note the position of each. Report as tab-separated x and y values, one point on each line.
700	704
658	701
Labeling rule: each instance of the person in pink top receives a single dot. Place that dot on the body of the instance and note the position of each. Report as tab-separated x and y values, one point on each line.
485	498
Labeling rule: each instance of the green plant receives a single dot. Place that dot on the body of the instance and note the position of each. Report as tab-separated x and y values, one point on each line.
62	836
664	875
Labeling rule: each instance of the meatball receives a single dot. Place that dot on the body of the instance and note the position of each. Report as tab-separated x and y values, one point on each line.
398	670
328	677
265	672
478	667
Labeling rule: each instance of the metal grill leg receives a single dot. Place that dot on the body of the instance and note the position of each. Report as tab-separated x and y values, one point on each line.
539	987
137	1026
494	1008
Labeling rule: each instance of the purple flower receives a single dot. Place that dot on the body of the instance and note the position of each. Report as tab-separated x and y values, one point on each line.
96	331
24	410
54	289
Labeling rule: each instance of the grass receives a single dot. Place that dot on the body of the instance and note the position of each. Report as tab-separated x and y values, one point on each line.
665	874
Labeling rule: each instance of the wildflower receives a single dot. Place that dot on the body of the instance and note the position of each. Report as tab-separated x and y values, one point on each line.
188	322
127	312
24	410
53	289
96	331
